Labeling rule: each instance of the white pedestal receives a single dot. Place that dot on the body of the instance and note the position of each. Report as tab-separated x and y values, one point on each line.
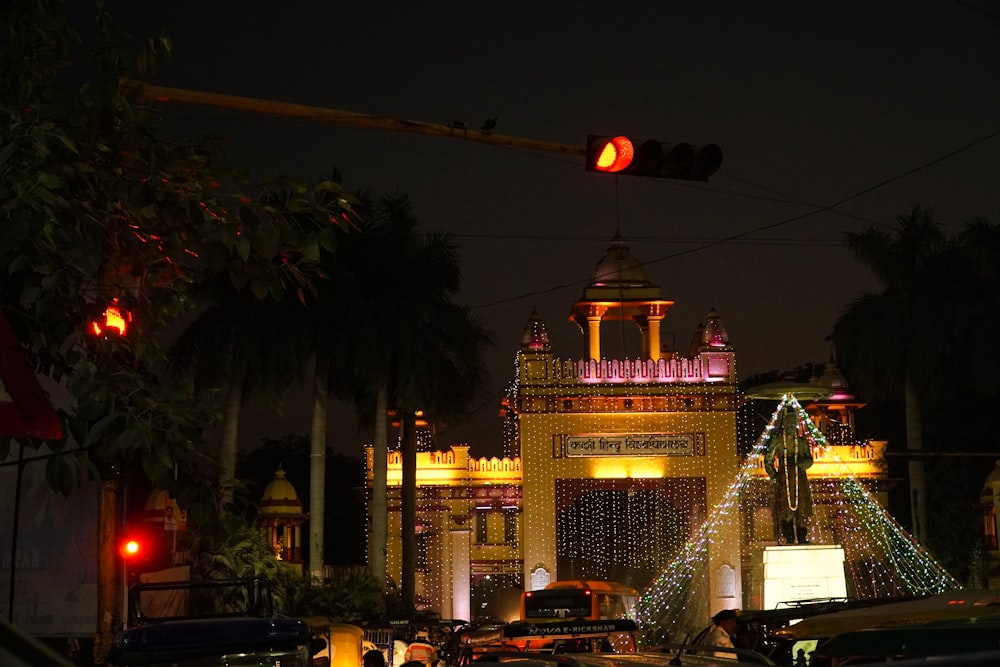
798	572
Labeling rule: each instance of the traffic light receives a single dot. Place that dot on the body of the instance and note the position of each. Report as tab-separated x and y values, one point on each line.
114	320
143	549
131	548
653	159
609	154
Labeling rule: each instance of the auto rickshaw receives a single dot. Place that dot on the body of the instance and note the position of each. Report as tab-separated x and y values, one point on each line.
344	643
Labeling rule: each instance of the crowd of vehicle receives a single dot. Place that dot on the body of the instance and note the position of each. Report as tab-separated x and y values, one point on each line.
957	628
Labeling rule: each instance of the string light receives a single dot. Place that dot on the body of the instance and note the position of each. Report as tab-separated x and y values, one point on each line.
881	558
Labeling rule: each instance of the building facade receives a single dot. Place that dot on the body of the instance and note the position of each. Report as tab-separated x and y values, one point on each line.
614	464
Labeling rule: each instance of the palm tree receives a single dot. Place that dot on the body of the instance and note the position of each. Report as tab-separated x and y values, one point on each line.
242	343
888	342
332	314
249	336
420	351
979	259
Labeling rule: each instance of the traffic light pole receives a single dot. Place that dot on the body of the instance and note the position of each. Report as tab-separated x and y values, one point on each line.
349	118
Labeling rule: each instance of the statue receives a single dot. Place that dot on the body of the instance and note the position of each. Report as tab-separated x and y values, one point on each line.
787	451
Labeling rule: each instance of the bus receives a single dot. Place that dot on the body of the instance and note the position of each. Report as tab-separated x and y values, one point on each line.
586	600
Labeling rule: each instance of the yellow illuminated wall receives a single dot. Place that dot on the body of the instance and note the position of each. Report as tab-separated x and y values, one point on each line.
681	430
454	491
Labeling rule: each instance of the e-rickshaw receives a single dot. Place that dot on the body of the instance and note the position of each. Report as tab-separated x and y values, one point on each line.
342	644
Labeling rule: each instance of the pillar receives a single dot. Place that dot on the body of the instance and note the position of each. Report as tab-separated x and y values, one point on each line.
594	338
653	337
461	574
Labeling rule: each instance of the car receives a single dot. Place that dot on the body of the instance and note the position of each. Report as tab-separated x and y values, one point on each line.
262	642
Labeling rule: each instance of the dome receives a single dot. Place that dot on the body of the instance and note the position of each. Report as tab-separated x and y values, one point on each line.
619	267
535	337
280	496
833	379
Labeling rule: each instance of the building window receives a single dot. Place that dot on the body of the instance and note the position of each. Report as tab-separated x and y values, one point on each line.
510	526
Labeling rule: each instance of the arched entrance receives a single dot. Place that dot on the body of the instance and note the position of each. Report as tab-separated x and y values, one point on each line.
624	530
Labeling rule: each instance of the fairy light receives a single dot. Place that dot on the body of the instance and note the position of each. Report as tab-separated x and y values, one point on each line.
882	559
608	524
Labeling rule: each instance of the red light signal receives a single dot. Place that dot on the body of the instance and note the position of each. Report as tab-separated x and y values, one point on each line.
131	549
144	547
652	158
609	154
114	320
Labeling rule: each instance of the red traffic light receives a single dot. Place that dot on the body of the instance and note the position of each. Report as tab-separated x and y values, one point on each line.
144	547
131	549
652	158
609	154
113	320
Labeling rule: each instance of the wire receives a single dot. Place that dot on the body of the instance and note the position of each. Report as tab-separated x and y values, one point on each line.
977	9
773	225
650	239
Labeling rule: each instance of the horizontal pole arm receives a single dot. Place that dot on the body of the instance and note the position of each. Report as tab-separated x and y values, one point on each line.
349	118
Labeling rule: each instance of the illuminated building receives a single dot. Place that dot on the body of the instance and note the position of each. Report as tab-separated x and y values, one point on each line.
628	469
614	461
281	519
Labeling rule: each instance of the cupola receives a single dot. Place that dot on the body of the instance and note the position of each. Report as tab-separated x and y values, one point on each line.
281	518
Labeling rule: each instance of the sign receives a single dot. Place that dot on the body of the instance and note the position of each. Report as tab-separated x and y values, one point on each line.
55	560
620	444
573	628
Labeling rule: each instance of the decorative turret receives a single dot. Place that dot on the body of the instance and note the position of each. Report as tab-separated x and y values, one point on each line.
714	336
711	345
535	337
833	414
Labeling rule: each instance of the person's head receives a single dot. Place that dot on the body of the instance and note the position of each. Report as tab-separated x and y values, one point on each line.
423	635
373	658
727	619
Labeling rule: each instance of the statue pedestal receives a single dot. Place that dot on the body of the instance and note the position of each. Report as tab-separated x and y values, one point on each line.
797	572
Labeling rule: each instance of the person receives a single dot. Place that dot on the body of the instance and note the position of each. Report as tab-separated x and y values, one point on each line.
398	651
789	451
421	649
720	634
373	658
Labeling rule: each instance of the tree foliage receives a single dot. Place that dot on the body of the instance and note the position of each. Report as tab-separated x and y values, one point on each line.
925	334
95	209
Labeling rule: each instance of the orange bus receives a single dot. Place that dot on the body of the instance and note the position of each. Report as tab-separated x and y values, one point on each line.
587	600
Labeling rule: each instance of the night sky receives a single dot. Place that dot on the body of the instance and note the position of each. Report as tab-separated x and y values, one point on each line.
874	107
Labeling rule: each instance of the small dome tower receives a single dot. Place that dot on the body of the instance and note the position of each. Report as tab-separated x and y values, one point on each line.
281	518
